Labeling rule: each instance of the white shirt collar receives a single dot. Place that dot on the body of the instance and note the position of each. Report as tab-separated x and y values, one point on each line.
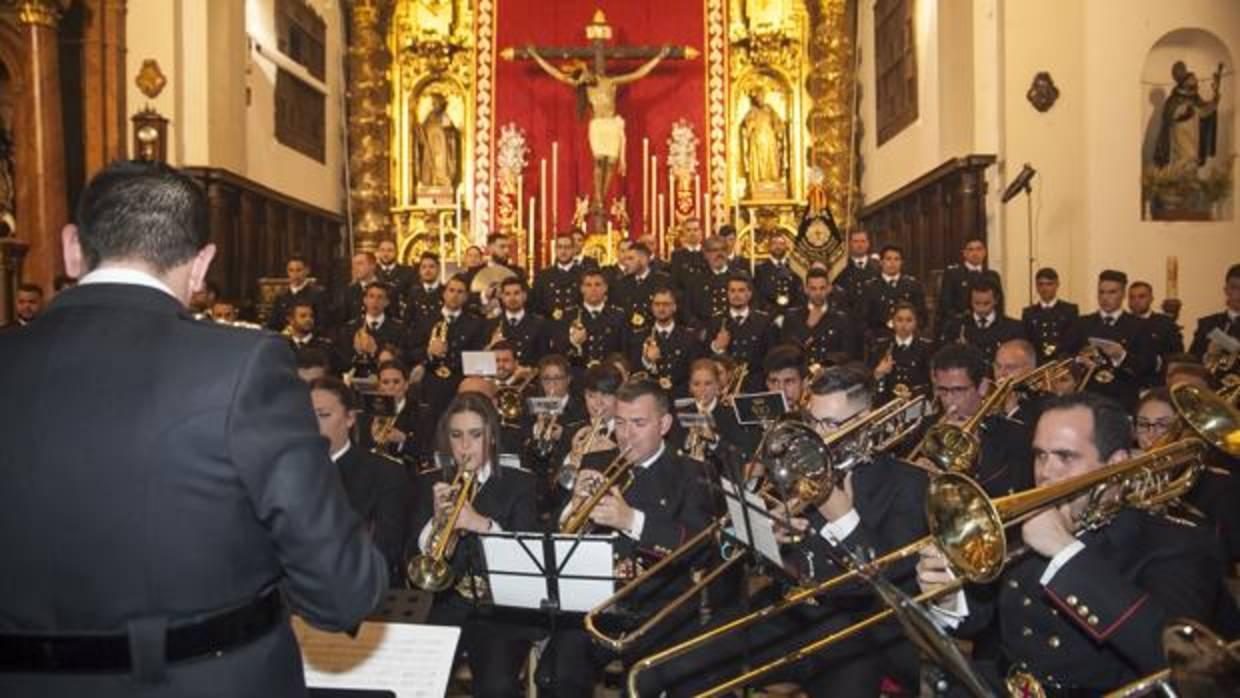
1048	306
891	279
387	267
431	287
483	474
567	267
698	248
642	276
650	461
738	314
343	450
400	404
376	319
515	317
1110	316
450	314
1232	314
989	318
860	261
579	258
904	343
1146	315
720	272
594	308
299	287
125	275
302	340
671	325
970	267
710	407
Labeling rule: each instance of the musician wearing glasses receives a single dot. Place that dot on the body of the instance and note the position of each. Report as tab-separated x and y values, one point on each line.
667	503
496	641
377	488
665	348
1083	612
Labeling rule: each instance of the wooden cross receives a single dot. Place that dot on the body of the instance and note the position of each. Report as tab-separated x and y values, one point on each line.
598	32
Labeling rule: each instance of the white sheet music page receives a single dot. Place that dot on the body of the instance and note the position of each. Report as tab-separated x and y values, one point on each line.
412	661
760	523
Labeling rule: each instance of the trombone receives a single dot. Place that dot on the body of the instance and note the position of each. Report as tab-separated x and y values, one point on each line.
431	571
956	447
969	527
868	433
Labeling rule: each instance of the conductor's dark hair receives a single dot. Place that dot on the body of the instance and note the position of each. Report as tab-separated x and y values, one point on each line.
481	405
636	389
816	273
335	386
960	356
143	212
1112	426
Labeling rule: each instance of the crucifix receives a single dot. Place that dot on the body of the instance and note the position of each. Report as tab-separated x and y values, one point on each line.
596	90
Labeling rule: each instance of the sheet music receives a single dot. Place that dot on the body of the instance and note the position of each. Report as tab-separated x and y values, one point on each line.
508	565
412	661
760	523
592	558
478	363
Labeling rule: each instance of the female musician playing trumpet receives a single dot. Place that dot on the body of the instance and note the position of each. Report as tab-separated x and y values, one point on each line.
496	641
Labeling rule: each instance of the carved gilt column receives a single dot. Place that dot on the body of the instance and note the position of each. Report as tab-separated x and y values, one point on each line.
42	206
103	90
368	123
832	85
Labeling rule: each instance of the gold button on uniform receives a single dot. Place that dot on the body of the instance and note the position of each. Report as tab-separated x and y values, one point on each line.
1071	600
1083	609
1026	632
1013	583
1053	641
1093	620
1026	602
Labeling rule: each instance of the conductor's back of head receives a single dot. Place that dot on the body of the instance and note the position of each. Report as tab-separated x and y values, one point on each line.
165	494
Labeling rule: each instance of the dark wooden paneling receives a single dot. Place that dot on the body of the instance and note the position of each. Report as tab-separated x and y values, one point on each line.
932	216
256	229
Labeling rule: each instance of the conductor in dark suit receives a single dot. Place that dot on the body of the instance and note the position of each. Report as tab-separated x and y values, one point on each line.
154	553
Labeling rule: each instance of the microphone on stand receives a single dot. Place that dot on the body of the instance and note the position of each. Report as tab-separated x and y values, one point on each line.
1021	183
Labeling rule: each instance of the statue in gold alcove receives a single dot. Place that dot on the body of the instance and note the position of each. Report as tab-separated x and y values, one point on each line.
437	153
763	147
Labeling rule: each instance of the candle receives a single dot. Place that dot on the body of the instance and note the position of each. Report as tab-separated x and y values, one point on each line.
706	230
697	196
660	221
518	207
530	228
542	195
671	198
1173	277
645	184
555	187
611	245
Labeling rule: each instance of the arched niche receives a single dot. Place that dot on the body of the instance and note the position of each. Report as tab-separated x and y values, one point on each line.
1183	178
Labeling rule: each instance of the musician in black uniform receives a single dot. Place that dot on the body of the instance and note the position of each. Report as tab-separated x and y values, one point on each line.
900	358
959	278
300	330
358	341
1084	612
1128	356
442	359
632	293
495	640
1228	320
708	296
667	503
823	330
299	290
398	277
378	489
737	259
1048	321
984	326
346	304
665	348
499	253
1162	333
396	437
688	261
890	287
595	329
528	333
860	266
557	288
743	334
424	296
958	374
779	288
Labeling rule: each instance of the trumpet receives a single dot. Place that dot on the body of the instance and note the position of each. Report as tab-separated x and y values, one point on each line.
699	437
497	335
583	443
544	427
619	473
431	571
646	347
439	332
736	383
969	527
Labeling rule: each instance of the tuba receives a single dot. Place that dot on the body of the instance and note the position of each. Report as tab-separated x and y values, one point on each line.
432	571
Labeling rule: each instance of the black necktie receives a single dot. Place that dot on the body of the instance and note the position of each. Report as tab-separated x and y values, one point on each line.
981	323
663	334
1109	321
374	327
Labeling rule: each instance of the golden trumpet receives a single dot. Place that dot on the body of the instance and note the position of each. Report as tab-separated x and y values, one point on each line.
619	473
432	571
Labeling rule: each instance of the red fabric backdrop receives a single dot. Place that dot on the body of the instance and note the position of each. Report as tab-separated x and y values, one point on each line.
545	109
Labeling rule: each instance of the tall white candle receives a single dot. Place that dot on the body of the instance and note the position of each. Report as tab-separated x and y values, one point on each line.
645	184
555	187
697	196
542	195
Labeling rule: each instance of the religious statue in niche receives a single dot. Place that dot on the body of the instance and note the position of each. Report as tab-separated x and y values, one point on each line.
1186	154
763	149
437	156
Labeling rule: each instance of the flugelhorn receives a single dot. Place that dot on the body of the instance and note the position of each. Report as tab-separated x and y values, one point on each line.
969	527
618	473
432	571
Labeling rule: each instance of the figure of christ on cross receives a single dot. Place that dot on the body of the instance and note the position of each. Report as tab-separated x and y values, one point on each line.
597	90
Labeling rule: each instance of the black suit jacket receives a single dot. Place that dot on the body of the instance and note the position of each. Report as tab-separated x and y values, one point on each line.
378	489
195	478
285	300
879	297
1130	374
1163	337
835	333
1048	328
676	352
633	296
556	291
775	283
985	340
954	291
852	280
1201	336
530	337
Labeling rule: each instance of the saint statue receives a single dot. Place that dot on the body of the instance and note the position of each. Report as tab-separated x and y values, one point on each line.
762	149
597	92
437	155
1188	132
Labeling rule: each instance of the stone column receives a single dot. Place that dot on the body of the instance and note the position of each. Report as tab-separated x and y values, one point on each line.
42	206
369	128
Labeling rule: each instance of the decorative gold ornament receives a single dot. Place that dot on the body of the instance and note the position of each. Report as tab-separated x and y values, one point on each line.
150	79
43	12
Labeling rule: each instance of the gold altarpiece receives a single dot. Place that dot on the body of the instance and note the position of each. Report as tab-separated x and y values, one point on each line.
789	64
